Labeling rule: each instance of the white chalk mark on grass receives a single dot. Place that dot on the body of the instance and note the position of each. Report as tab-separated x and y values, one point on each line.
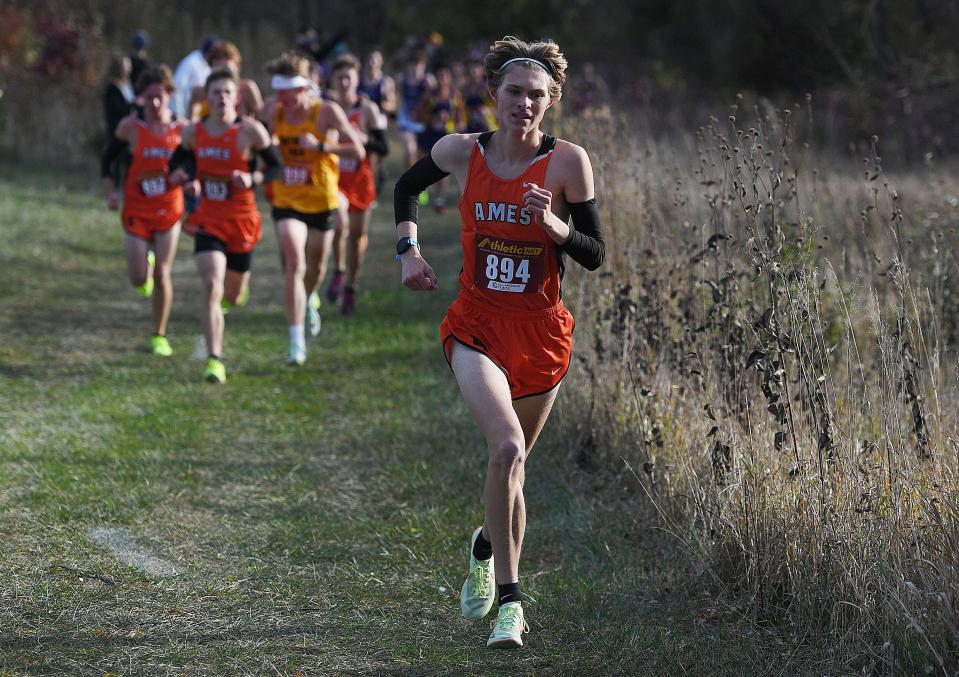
127	551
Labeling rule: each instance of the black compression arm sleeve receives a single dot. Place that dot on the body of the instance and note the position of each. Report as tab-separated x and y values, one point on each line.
272	163
113	151
183	159
376	142
585	244
414	181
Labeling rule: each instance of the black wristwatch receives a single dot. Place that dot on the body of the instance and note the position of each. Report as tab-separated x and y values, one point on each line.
404	244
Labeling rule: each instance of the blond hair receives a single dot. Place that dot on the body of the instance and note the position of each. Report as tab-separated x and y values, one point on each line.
545	52
290	64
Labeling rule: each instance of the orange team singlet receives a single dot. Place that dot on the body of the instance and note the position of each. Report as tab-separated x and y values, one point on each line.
226	211
150	204
509	305
356	176
309	183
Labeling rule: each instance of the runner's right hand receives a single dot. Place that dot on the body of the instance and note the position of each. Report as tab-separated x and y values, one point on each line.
417	273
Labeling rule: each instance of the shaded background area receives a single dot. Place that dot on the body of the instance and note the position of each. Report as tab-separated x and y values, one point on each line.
873	66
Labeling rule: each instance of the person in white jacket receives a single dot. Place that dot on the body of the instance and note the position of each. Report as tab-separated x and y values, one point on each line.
191	72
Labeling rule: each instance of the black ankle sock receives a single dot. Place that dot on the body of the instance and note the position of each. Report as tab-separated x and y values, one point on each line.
509	592
216	357
482	549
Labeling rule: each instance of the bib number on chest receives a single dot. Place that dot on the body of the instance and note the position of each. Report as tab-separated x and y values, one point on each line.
296	176
349	165
153	185
216	188
509	265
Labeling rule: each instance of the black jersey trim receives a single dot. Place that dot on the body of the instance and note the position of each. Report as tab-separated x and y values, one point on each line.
545	147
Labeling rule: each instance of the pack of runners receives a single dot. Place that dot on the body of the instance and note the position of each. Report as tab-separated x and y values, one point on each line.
527	203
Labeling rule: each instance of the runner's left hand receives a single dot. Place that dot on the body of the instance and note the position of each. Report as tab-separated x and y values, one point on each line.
242	179
537	202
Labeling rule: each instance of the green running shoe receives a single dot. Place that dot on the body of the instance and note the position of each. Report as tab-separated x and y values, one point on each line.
313	320
509	627
160	346
146	289
241	301
215	371
479	589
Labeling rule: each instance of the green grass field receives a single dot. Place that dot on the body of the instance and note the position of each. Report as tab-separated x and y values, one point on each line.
317	517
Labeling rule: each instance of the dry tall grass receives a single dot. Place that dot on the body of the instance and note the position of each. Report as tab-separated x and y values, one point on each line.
771	352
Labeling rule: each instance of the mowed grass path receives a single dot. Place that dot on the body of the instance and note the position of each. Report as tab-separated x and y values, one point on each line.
317	517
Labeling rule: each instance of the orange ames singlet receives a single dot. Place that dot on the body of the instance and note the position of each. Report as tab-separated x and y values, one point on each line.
225	210
356	176
508	261
146	194
508	307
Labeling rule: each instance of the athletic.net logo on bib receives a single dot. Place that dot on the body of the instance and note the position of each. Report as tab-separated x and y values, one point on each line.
508	265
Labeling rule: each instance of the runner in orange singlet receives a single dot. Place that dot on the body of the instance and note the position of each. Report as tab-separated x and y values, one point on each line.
306	197
226	223
508	335
152	208
357	182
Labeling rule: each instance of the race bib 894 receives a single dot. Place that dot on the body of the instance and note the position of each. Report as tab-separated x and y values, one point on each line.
509	265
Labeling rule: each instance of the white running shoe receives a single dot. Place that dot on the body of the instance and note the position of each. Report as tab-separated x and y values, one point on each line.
479	589
509	627
296	356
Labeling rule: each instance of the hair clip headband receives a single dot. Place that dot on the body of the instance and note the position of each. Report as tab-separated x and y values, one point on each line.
526	58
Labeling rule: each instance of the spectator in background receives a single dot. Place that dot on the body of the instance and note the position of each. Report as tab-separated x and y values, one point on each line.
442	112
117	104
308	41
480	109
191	73
138	54
413	83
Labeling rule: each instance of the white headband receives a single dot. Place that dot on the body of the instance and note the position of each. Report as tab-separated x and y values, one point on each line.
526	58
283	82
